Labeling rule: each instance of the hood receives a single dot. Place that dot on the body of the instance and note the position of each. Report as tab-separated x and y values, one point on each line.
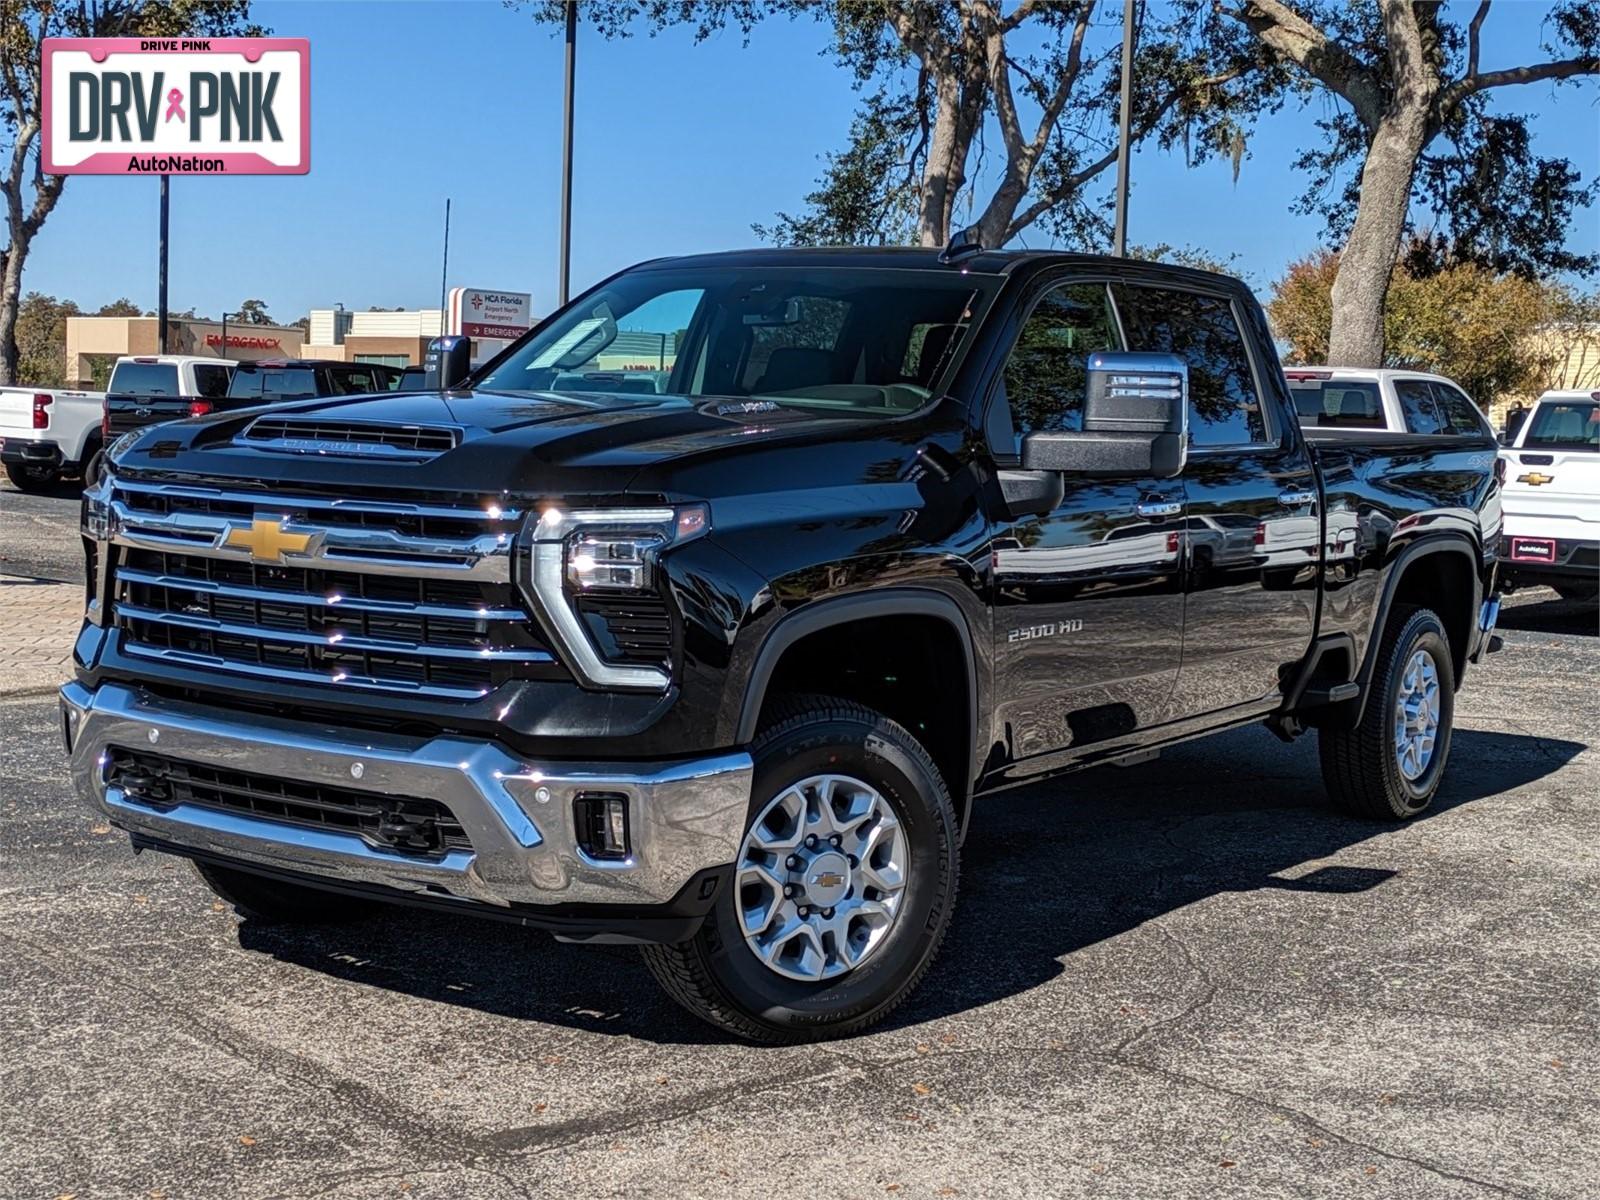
531	443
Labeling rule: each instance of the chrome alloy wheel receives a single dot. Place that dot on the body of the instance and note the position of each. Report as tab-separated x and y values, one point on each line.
821	877
1416	716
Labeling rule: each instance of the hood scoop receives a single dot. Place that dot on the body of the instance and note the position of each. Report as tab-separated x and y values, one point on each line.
334	438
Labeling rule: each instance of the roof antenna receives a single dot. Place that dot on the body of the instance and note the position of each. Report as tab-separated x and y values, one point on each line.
961	245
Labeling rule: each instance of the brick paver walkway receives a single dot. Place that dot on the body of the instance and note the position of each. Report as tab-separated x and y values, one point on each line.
38	623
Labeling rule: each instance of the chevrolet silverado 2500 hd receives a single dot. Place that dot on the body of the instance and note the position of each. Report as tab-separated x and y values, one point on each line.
720	663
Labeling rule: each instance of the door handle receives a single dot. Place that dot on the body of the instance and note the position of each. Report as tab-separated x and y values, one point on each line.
1158	508
1292	499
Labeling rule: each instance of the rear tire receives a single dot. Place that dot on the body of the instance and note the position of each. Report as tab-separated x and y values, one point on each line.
277	902
32	479
1389	766
864	968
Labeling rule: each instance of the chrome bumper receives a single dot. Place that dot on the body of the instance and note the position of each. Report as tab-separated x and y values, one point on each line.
683	817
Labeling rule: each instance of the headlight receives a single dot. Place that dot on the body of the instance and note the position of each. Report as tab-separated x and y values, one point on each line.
121	445
97	517
576	552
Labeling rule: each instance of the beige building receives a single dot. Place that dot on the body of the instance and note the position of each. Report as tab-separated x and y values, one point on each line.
95	343
396	339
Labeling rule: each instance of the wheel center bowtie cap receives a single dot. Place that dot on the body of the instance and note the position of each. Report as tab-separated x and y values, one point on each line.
826	878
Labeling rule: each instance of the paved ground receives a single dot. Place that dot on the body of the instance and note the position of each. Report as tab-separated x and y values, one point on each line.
1181	979
39	533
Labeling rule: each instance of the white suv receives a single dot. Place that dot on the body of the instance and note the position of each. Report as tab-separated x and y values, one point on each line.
1362	400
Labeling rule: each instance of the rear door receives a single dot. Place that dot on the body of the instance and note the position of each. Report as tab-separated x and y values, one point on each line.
1248	617
1088	616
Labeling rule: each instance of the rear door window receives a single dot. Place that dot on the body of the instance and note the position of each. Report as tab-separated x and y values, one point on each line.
1418	405
1224	407
144	379
1337	404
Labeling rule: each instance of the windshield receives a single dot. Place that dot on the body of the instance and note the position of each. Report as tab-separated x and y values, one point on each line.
144	379
854	342
1563	425
1336	404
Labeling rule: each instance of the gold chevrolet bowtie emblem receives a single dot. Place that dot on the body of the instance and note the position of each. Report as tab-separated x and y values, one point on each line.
266	540
1536	478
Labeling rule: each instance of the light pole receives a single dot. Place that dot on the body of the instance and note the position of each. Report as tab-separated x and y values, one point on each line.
566	156
1119	237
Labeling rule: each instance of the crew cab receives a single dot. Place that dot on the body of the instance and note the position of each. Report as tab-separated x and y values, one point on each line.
48	433
1360	400
272	381
1552	498
721	667
152	389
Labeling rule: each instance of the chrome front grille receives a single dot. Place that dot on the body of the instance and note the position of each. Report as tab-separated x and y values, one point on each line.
362	592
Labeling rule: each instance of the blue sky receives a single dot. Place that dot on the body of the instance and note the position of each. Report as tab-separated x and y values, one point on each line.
679	148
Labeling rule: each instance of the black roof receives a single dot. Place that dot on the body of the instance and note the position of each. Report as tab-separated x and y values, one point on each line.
983	262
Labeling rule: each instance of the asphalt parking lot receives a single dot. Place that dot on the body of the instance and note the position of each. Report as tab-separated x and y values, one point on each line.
1186	978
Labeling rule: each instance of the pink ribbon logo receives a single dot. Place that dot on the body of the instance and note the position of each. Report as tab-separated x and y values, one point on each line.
175	105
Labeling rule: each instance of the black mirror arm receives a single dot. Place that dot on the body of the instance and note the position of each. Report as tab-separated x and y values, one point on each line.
1031	493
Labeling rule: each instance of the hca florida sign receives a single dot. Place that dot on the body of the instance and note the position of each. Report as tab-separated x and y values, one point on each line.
171	106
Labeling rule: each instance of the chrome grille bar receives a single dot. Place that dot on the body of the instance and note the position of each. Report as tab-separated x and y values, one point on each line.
457	612
414	598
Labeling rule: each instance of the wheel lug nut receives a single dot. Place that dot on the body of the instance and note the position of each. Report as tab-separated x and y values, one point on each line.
804	911
827	913
836	841
854	862
811	839
791	862
789	889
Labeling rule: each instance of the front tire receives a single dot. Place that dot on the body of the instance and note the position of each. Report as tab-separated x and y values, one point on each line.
844	888
1389	766
278	902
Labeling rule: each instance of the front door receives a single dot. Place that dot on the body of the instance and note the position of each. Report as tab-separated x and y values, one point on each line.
1254	530
1088	616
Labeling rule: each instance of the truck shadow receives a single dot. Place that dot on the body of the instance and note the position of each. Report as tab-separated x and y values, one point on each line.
1047	870
1551	614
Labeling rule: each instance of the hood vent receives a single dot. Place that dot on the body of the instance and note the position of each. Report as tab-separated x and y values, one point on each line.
302	435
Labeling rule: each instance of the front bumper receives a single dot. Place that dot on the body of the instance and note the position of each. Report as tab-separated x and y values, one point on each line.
686	819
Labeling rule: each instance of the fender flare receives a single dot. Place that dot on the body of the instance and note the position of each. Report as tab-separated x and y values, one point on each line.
1442	543
843	610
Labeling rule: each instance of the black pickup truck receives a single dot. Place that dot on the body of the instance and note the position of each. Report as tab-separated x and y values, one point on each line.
720	666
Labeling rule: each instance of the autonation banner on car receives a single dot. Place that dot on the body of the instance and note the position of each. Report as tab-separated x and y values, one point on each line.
177	106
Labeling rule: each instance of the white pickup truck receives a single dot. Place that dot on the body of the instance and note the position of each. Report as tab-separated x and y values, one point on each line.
46	434
1363	400
1551	502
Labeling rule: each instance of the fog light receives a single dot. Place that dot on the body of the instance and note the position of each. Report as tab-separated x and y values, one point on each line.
602	823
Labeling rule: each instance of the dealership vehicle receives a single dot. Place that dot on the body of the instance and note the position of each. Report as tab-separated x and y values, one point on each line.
47	433
1360	400
274	380
1552	498
155	388
720	669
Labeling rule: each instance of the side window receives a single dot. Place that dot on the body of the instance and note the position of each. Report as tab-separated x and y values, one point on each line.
1224	409
1460	414
211	382
1417	403
1046	375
